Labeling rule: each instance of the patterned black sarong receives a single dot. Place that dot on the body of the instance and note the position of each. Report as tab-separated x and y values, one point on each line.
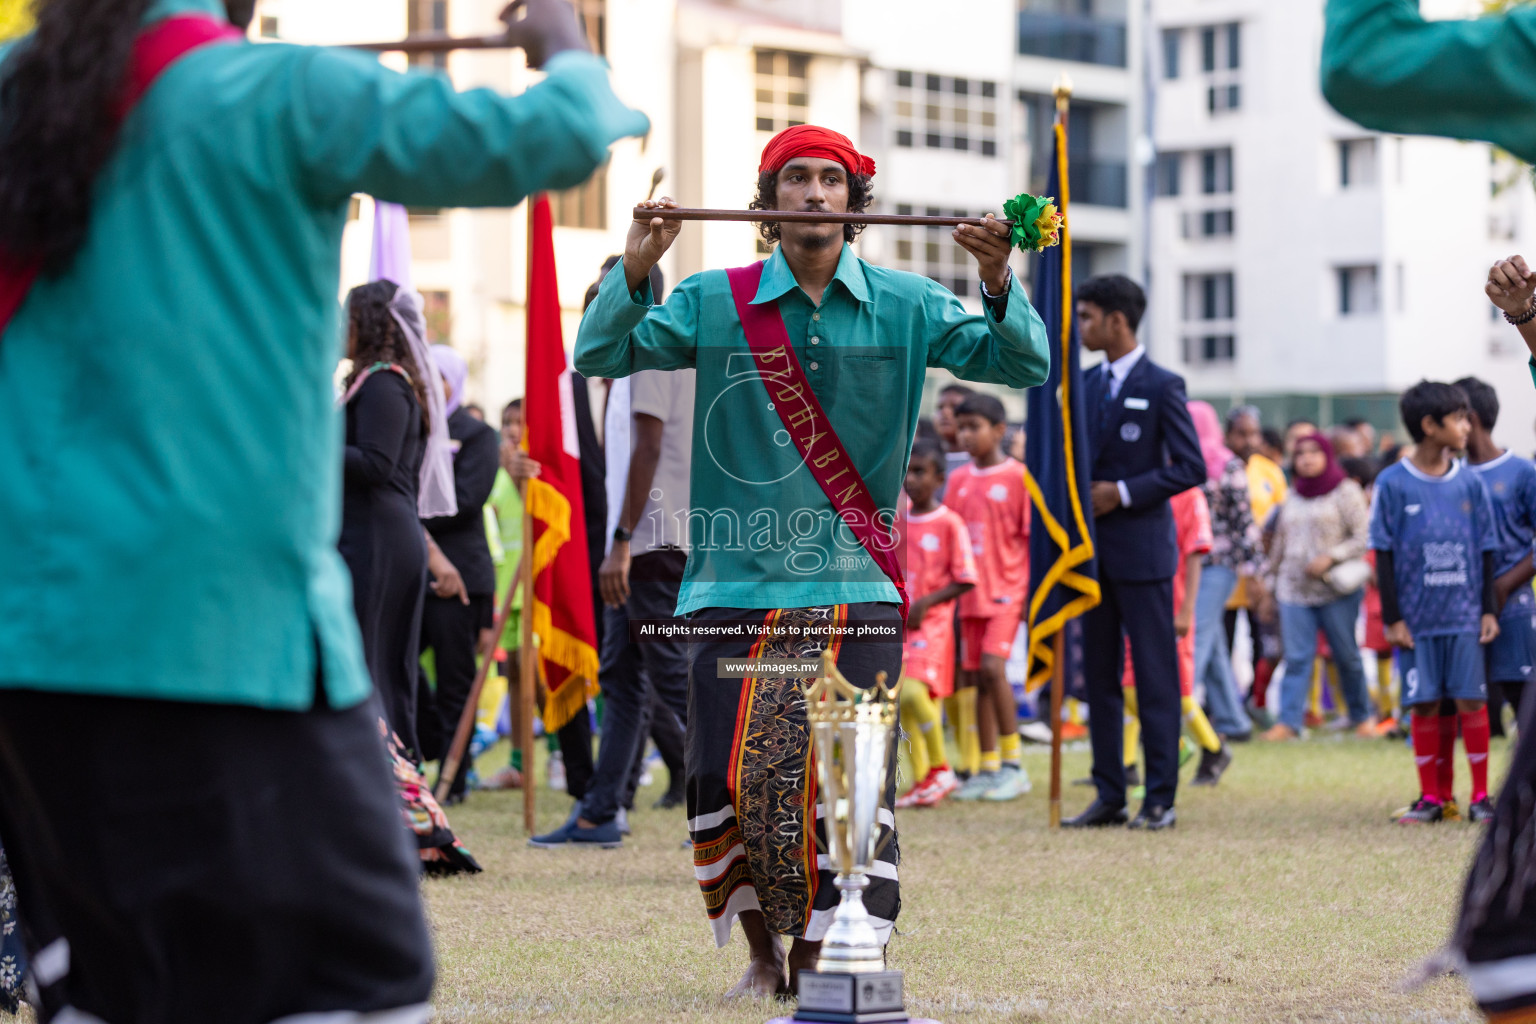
758	843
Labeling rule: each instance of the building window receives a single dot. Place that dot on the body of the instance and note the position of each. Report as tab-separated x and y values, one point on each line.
1209	297
594	18
1357	163
1173	40
1221	98
1168	168
268	29
1210	348
425	17
1216	171
783	98
1208	224
1220	47
585	206
1358	293
939	112
933	253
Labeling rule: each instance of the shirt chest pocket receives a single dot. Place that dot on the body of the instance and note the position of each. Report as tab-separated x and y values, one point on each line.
870	375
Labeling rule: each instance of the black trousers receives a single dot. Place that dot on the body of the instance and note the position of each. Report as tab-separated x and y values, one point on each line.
451	630
630	670
1142	612
666	730
242	866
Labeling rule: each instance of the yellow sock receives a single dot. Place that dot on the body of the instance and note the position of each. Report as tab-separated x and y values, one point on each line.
925	730
1198	724
1317	688
1074	711
965	730
1384	684
1131	741
990	761
1010	748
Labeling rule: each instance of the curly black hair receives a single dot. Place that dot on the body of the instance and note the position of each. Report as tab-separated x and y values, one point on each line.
861	192
373	336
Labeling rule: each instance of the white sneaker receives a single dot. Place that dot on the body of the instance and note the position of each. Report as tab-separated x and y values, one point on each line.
1012	783
557	772
1034	732
977	785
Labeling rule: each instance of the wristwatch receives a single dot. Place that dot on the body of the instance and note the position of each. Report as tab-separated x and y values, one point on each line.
619	533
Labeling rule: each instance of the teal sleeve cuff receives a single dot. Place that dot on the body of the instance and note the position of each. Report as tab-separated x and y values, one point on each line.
1531	364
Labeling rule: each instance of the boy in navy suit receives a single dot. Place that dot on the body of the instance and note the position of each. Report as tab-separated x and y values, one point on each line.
1143	450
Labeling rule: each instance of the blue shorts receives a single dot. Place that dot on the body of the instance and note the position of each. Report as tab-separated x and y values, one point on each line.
1443	666
1511	656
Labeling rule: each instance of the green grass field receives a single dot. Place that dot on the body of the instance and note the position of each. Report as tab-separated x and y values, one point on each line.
1283	895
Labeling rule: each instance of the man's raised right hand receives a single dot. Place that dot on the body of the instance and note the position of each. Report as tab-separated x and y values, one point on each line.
544	28
648	241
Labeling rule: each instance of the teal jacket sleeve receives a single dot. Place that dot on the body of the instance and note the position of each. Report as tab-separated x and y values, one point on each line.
1011	351
1387	68
623	333
357	126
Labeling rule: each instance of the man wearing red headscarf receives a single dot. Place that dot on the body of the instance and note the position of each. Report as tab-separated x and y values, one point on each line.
803	414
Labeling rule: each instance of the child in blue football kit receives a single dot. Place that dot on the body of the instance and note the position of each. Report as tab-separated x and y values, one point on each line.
1511	483
1432	527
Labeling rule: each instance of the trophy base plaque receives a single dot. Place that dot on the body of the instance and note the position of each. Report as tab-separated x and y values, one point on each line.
867	998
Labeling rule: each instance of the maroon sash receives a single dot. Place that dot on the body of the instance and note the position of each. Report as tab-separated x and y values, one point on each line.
155	49
807	424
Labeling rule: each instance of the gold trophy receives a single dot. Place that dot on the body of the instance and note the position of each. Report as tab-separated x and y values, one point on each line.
853	734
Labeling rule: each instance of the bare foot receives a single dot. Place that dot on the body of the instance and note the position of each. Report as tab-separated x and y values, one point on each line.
764	979
802	957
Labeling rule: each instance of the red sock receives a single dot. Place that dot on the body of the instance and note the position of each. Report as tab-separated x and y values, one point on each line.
1474	733
1261	676
1446	764
1426	752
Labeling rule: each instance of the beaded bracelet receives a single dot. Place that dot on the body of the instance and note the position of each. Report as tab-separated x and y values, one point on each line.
1523	318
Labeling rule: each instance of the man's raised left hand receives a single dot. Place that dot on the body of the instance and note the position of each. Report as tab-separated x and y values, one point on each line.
989	243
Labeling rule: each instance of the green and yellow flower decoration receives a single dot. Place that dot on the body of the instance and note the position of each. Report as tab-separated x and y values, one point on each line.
1036	222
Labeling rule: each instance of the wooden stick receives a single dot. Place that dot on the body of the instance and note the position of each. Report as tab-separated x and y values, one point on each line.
525	676
804	217
1058	684
466	727
438	43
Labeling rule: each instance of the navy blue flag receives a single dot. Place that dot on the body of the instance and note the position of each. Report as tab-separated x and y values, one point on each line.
1063	576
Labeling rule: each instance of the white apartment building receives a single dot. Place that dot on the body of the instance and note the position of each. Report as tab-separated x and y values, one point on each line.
957	117
1304	264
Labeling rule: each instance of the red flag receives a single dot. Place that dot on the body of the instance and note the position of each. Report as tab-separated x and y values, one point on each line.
562	579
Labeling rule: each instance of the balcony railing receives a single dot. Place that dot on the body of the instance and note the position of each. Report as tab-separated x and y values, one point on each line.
1078	37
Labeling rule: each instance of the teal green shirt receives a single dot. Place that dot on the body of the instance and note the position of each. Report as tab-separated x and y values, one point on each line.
1388	68
169	445
761	532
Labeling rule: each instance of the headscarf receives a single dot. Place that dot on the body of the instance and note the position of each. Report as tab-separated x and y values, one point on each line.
810	140
434	495
1213	443
1331	476
455	373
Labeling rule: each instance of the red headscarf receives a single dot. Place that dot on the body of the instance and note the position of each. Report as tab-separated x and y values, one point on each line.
1331	476
809	140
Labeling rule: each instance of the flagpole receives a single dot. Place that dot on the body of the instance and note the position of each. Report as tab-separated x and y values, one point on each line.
1063	94
526	662
1058	681
525	671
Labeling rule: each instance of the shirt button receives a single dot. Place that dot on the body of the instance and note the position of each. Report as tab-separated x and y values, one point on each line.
815	340
815	316
815	366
